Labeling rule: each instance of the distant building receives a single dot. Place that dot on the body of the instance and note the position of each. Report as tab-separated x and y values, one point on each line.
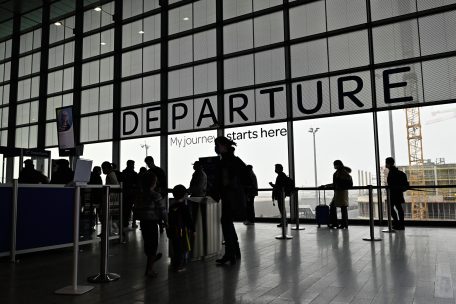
441	202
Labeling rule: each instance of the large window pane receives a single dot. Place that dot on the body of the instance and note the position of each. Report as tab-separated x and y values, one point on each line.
344	13
309	58
437	33
238	72
269	66
307	19
268	29
238	36
348	51
382	9
396	41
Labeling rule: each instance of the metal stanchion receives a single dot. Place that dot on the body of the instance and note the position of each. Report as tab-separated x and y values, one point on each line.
104	276
74	289
371	218
121	211
284	235
15	190
295	200
388	206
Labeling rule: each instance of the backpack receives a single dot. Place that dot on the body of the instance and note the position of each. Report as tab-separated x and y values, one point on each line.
289	186
404	184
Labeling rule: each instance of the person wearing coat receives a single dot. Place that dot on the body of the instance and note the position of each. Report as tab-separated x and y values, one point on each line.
198	183
230	188
342	181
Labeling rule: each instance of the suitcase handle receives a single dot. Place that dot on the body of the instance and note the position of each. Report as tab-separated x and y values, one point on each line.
324	198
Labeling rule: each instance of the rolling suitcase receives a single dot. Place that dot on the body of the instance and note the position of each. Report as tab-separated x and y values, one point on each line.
322	211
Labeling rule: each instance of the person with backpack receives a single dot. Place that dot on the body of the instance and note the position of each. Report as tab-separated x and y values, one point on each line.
281	188
398	184
342	181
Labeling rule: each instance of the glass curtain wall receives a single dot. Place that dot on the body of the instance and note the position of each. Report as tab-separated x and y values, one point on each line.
241	66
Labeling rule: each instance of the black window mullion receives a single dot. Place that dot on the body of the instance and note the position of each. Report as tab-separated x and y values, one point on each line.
77	79
117	77
44	60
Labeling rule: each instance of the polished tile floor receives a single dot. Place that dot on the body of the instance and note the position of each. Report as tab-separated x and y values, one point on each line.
316	266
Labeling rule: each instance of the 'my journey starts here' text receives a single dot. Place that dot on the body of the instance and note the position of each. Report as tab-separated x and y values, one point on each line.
184	141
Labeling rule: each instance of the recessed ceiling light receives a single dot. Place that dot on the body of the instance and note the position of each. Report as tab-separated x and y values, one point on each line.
58	23
141	32
97	9
186	18
103	43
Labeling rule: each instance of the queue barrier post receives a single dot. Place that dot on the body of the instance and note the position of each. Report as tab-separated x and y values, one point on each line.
74	288
372	237
284	235
388	207
104	276
295	204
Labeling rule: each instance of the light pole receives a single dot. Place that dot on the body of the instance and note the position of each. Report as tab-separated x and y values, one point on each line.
313	131
146	146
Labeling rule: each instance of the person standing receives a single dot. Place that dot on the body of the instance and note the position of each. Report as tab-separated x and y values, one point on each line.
111	180
397	182
342	181
63	174
150	211
162	185
198	184
230	188
130	187
29	175
251	192
278	189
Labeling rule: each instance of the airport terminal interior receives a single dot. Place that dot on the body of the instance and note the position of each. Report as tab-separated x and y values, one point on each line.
109	105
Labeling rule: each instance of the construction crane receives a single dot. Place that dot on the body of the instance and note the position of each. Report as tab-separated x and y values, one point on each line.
419	199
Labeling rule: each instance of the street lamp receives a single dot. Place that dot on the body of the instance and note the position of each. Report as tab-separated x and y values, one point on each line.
313	131
146	146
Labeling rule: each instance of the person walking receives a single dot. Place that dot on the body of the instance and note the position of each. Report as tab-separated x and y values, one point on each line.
130	188
162	185
397	183
230	188
150	211
251	192
278	189
342	181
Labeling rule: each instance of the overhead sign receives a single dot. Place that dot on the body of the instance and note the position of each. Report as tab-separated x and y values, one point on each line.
319	97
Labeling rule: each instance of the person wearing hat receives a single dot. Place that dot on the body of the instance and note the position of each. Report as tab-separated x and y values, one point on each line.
198	184
29	175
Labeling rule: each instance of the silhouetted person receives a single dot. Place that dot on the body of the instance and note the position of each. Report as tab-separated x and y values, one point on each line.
63	174
397	182
150	211
160	174
95	176
141	175
180	228
251	191
198	184
29	175
111	177
162	185
278	189
130	188
111	180
230	187
117	173
96	195
342	181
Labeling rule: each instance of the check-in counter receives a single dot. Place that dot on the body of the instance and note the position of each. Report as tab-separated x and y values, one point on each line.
6	212
206	214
